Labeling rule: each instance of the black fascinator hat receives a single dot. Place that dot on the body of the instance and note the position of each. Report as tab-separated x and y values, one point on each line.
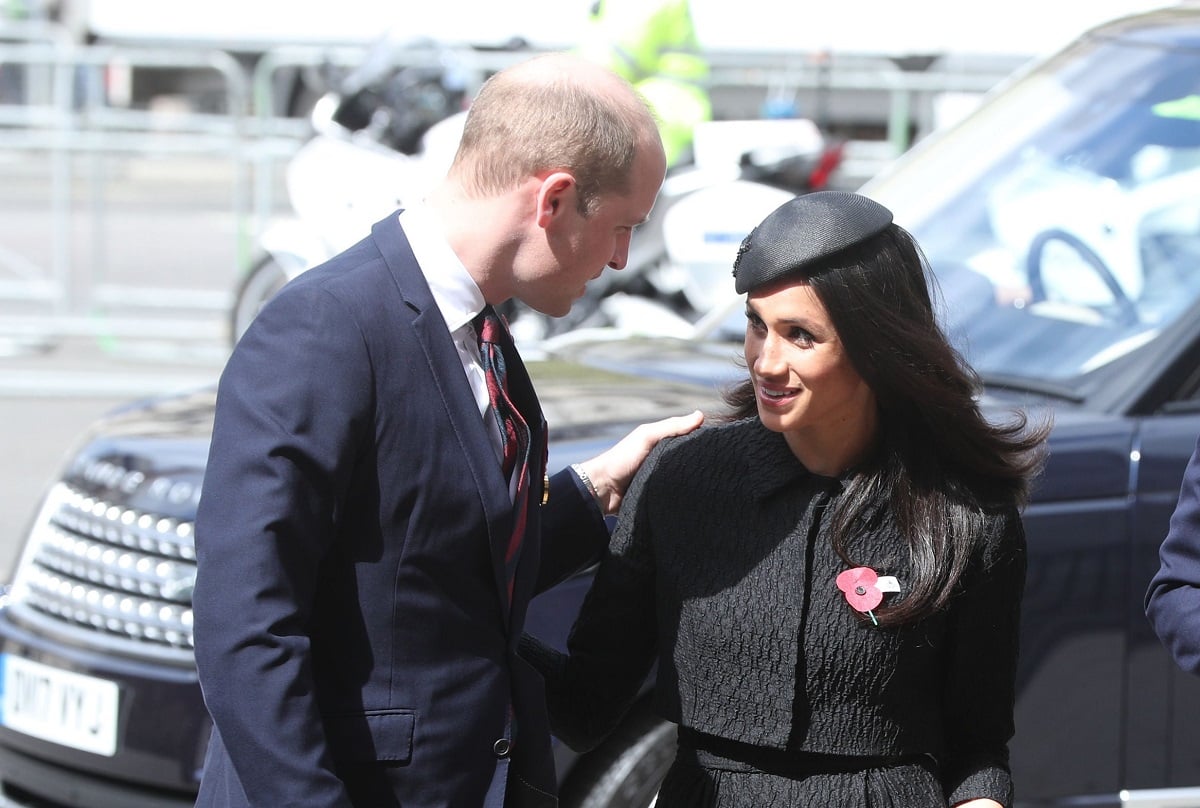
805	230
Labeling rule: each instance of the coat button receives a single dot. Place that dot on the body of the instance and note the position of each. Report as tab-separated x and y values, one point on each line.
502	747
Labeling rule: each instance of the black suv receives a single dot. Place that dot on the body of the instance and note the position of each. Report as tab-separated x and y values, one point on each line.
1062	220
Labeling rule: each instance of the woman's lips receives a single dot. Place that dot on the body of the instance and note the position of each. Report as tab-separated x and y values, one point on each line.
774	396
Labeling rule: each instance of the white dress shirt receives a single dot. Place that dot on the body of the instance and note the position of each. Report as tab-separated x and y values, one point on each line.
459	300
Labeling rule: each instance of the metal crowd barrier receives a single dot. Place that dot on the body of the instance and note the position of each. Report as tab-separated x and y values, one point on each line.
118	222
89	188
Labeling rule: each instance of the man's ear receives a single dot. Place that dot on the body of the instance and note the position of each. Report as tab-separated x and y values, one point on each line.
557	191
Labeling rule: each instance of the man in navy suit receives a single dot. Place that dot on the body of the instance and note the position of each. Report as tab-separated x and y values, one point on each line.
356	626
1173	599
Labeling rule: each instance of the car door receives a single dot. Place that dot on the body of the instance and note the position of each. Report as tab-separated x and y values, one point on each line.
1070	679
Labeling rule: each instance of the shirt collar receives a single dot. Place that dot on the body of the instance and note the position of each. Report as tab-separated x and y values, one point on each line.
454	290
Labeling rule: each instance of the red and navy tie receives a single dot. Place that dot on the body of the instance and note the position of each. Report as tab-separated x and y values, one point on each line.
493	337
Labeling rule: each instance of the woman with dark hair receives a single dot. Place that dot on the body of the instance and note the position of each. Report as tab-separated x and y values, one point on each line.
830	579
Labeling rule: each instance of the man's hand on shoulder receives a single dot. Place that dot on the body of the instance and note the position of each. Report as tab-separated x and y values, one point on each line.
609	473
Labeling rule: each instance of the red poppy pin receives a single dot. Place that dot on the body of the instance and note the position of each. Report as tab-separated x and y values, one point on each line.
864	589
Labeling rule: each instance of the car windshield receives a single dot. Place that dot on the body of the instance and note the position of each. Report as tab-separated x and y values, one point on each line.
1063	220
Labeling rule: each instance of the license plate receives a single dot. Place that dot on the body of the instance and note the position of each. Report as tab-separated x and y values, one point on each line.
58	706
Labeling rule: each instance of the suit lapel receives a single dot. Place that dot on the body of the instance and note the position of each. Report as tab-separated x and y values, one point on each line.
429	328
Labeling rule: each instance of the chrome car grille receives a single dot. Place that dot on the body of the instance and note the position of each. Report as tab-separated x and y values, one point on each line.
108	576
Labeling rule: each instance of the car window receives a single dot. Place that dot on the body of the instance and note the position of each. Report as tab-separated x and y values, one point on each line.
1063	221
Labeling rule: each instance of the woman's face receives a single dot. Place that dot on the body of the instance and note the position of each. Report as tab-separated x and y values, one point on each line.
804	383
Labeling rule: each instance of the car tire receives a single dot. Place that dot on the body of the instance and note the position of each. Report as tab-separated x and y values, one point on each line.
627	769
261	283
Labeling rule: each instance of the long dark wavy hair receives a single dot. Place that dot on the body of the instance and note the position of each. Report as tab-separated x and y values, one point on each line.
939	465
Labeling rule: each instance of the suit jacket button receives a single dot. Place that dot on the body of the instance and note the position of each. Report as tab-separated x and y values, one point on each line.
502	747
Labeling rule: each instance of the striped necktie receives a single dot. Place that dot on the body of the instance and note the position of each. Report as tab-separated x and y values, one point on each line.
493	337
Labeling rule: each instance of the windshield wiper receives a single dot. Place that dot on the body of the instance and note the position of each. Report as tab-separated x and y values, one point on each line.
1025	384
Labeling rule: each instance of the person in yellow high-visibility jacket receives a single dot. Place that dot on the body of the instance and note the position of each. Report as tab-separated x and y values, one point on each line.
653	44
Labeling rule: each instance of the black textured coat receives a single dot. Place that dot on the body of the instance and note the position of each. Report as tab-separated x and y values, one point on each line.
721	570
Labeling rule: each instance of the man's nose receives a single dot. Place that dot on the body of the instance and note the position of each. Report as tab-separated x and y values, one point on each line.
620	253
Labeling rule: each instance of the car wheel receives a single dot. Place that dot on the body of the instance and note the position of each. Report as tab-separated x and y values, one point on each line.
627	769
261	283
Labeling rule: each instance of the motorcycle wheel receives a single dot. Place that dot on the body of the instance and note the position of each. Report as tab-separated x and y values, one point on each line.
625	771
259	285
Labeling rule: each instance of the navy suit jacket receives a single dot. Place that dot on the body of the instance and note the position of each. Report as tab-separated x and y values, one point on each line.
1173	599
354	640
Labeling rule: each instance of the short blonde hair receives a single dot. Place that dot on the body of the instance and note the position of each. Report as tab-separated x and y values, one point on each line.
554	112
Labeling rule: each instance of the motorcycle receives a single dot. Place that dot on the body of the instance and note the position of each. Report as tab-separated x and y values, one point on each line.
383	135
391	130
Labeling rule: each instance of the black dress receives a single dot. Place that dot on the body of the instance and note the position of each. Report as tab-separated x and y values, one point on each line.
721	571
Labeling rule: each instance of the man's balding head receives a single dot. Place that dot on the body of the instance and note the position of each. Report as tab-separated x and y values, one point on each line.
554	112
